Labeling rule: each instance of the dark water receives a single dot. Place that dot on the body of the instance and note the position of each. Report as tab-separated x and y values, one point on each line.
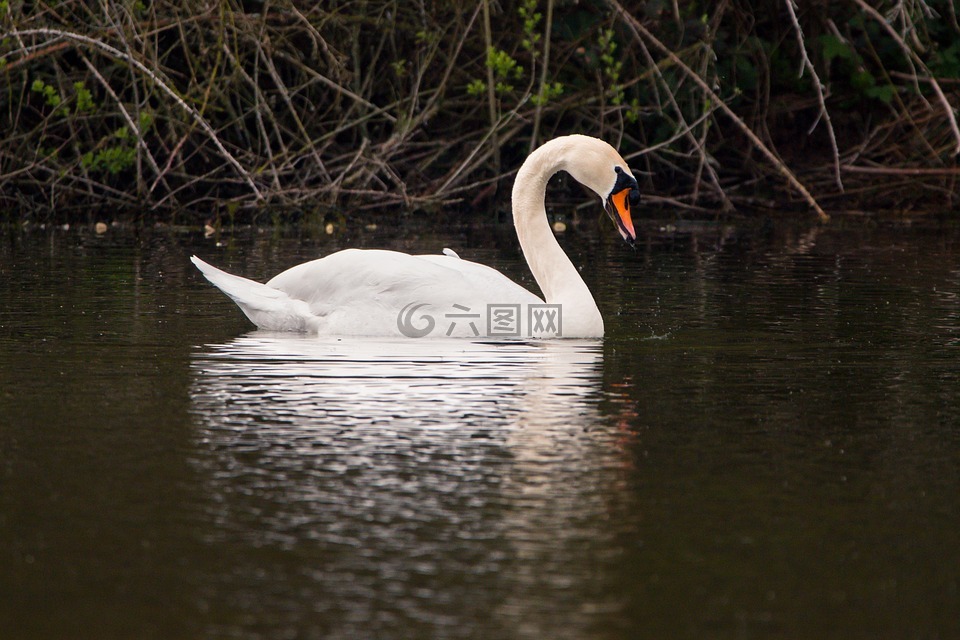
766	445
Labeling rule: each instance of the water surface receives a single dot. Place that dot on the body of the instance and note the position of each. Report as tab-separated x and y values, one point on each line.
764	445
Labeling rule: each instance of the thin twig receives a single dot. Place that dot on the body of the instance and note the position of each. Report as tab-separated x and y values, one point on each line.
903	171
491	88
818	86
544	68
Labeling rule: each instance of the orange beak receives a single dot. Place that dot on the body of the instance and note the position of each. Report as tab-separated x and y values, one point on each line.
618	208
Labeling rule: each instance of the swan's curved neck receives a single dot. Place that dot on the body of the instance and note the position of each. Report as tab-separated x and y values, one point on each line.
559	280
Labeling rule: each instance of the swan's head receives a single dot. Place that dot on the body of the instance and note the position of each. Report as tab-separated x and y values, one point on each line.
597	165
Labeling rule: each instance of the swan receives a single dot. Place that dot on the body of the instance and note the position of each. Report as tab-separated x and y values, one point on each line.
373	292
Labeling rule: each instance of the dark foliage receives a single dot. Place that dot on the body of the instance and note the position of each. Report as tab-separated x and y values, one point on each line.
205	109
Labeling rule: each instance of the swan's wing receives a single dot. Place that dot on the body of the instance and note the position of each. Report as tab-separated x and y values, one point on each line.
358	275
494	286
364	291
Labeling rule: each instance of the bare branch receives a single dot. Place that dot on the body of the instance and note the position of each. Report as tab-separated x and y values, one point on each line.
158	82
641	32
913	56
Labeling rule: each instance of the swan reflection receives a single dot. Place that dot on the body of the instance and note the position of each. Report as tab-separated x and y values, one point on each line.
440	480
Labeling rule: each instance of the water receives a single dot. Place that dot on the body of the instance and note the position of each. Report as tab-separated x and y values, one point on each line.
766	444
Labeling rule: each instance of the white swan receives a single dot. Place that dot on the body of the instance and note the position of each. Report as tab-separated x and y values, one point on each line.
386	293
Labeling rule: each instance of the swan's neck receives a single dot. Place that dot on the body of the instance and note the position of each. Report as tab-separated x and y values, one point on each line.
559	280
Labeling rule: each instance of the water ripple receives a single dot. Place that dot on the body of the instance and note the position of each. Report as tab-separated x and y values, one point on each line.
417	477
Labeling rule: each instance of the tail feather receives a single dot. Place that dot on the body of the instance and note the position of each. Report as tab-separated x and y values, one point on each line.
266	307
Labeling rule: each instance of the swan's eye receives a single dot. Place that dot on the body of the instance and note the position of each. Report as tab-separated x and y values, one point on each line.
625	180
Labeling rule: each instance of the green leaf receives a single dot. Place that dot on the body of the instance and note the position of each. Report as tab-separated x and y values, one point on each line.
883	93
476	87
833	47
863	80
145	121
84	98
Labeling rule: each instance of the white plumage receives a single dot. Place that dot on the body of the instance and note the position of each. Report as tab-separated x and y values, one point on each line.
375	292
363	292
